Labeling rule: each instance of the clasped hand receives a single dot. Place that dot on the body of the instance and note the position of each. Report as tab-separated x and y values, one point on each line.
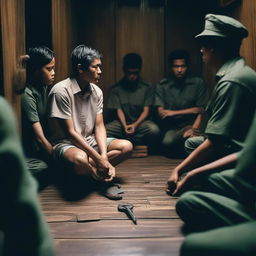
105	171
130	129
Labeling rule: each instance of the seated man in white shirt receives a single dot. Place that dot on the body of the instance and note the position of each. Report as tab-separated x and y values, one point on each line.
76	121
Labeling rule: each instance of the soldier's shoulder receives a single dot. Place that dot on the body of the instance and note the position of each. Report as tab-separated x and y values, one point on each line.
116	85
165	80
195	78
144	83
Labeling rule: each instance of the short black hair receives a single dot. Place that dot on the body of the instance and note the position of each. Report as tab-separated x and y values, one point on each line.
38	57
179	54
84	56
131	61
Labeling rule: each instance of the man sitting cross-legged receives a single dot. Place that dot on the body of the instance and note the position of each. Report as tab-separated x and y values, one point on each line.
76	121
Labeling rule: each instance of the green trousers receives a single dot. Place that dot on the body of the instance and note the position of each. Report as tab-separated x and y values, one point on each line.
235	240
147	133
222	215
173	142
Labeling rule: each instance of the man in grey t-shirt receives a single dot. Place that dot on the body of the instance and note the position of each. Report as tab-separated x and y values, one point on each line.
76	121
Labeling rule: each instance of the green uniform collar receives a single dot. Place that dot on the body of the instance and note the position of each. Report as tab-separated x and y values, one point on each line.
37	89
230	66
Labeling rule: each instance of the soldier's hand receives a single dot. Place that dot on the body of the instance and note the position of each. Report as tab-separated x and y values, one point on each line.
172	182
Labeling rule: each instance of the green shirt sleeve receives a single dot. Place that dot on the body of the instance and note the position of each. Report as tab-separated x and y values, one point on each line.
114	101
231	111
29	106
149	96
25	230
159	96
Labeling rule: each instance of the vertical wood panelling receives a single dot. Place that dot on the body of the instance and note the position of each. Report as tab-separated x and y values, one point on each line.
38	23
96	26
141	30
246	13
62	36
184	19
13	46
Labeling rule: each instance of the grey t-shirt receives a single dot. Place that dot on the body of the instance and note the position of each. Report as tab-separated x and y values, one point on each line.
67	101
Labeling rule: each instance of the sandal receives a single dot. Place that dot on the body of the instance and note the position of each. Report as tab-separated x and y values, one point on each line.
113	191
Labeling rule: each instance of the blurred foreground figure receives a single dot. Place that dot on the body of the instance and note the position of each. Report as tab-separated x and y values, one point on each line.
24	232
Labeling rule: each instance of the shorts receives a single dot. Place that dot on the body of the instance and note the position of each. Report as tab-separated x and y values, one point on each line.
60	148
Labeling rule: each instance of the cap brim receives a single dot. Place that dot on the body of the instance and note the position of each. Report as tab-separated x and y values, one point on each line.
209	33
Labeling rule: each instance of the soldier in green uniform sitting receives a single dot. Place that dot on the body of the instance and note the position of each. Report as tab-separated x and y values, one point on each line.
40	64
180	100
224	215
232	105
131	98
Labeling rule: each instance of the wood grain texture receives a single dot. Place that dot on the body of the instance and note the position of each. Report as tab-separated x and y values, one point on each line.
13	46
63	36
93	223
117	247
95	23
141	30
246	13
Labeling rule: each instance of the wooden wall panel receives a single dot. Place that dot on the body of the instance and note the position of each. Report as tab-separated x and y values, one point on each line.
96	26
38	23
141	30
185	19
63	36
246	13
13	46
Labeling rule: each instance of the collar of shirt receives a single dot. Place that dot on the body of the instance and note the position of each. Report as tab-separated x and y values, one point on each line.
37	89
230	66
41	91
76	89
179	84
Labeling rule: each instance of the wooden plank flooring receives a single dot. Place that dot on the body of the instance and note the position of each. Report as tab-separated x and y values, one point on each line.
93	225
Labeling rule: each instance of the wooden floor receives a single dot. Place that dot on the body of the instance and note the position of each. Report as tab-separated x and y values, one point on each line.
93	225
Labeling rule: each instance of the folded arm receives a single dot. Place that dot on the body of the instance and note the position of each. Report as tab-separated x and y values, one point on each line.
168	112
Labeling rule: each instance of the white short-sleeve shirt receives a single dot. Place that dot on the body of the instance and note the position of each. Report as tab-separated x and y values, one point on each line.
67	101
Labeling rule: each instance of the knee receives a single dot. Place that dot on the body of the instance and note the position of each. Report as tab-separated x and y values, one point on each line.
154	130
168	141
125	146
79	158
192	143
189	145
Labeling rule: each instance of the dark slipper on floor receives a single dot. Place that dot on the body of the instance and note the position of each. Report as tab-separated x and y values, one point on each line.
113	191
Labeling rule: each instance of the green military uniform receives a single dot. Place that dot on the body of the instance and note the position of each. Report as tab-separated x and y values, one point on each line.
173	96
132	99
231	107
227	208
34	109
226	211
25	232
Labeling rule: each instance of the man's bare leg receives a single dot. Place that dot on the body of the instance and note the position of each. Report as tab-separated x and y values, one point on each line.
119	150
80	160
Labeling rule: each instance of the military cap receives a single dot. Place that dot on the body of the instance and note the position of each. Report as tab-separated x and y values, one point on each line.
223	26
